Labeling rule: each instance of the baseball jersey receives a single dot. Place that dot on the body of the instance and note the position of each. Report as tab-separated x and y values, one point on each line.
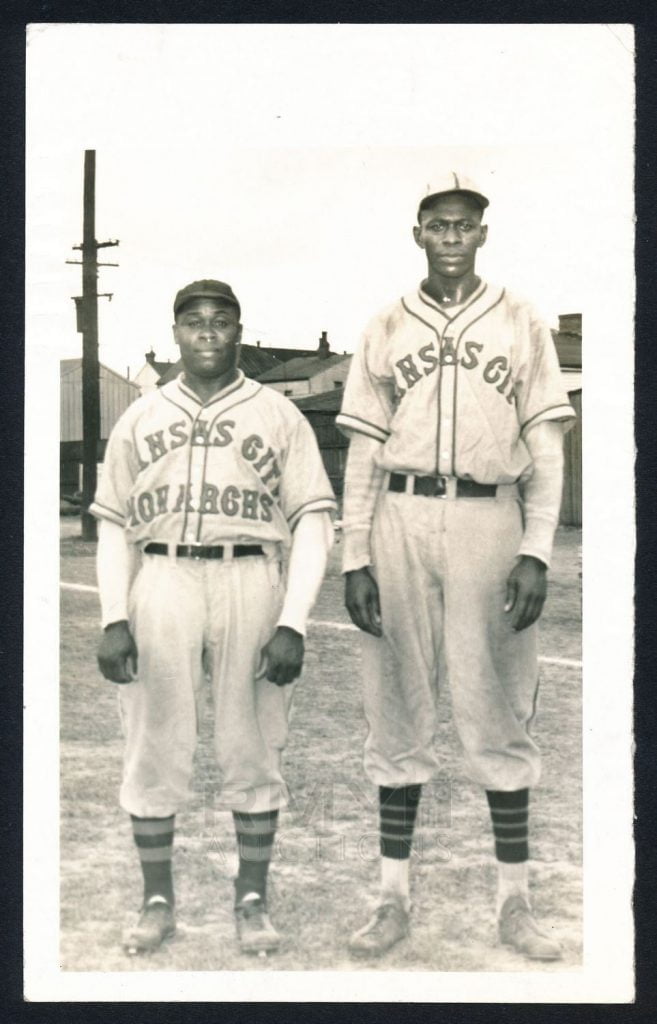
453	393
243	467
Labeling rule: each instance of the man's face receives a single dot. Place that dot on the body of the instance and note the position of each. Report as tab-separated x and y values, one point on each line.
450	232
208	333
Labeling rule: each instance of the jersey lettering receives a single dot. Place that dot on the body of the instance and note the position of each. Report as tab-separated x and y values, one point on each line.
409	370
427	356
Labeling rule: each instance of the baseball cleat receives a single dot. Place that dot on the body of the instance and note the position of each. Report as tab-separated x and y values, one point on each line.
389	924
255	932
156	923
518	928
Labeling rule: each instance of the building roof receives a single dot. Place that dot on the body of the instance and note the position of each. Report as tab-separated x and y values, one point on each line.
325	401
253	361
69	366
301	368
569	349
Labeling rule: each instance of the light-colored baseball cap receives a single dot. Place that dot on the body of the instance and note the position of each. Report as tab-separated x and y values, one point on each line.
206	289
454	181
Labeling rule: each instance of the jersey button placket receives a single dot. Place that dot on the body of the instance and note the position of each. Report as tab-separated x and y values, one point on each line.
446	425
196	472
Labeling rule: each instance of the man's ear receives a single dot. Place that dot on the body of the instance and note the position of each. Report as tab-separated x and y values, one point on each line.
417	235
483	236
174	328
239	334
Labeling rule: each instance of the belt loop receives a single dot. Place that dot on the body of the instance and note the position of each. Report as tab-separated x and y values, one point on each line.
410	484
228	554
172	551
451	484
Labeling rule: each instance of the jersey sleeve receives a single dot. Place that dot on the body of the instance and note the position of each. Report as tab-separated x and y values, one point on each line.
540	393
367	406
117	476
305	487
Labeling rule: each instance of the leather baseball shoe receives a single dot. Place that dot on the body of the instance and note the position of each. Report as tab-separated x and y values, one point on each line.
518	928
156	923
389	923
255	932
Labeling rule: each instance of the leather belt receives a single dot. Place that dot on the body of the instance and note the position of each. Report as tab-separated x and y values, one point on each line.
438	486
203	551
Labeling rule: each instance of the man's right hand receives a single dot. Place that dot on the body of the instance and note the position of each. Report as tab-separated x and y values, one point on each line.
362	601
117	653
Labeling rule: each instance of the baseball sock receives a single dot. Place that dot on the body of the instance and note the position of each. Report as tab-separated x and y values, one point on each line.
154	841
510	817
255	839
398	810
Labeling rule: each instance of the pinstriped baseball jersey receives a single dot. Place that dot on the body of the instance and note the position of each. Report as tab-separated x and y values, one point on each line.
244	466
453	394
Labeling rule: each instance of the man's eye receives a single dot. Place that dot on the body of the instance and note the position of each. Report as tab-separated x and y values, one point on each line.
465	225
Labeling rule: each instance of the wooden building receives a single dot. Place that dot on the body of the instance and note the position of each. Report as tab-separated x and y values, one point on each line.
116	394
321	411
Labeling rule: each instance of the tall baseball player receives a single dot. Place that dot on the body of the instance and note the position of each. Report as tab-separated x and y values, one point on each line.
207	485
455	411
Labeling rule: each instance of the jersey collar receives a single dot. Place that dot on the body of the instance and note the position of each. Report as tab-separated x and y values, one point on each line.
422	306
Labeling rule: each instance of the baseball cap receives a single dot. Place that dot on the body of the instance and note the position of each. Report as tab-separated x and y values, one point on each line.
454	181
206	289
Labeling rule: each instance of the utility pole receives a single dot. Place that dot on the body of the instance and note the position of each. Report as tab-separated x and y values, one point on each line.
87	325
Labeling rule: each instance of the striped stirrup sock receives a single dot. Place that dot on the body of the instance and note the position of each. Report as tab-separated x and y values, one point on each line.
397	810
154	841
510	816
255	840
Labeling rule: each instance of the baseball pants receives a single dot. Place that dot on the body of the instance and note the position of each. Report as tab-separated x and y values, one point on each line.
195	620
442	566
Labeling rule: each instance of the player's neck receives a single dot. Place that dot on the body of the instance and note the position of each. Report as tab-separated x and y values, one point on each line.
451	291
206	388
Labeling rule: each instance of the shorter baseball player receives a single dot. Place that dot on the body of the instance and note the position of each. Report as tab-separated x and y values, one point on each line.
455	410
215	527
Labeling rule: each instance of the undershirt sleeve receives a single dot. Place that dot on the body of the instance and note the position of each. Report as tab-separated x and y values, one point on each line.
362	486
312	541
542	491
115	564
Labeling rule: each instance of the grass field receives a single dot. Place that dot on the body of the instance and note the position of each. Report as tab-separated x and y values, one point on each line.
324	874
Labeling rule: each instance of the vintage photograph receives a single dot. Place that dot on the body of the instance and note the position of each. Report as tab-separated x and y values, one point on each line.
315	508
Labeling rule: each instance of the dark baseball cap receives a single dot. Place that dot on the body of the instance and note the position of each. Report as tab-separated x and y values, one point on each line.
206	290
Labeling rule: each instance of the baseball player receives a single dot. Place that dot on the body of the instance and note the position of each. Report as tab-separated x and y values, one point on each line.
215	527
456	412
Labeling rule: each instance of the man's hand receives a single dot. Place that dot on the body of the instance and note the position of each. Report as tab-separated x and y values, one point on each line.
283	656
117	653
362	600
526	589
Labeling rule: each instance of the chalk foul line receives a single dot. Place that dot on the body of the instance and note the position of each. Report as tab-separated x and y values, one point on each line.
337	626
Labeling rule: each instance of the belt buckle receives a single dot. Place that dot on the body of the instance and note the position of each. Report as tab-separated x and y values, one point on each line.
440	487
195	551
449	485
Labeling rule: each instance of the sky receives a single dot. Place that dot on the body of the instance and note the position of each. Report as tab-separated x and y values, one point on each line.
289	161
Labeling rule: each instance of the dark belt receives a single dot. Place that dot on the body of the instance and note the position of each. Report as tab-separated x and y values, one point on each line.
203	551
436	486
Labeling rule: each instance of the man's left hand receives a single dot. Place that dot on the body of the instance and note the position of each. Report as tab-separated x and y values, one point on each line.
283	656
526	589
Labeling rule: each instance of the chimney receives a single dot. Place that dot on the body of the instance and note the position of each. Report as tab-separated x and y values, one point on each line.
324	350
150	357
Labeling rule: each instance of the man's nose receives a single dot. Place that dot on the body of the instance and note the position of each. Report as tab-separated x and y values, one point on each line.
207	331
451	234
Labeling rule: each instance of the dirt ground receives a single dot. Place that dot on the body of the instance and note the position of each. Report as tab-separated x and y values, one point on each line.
324	873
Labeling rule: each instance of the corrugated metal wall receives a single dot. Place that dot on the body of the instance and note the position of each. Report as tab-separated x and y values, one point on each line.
116	394
571	501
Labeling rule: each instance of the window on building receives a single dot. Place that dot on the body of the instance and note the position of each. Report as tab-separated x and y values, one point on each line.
337	383
288	391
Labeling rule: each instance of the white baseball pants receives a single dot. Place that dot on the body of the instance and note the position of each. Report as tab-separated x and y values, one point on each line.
192	620
442	567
